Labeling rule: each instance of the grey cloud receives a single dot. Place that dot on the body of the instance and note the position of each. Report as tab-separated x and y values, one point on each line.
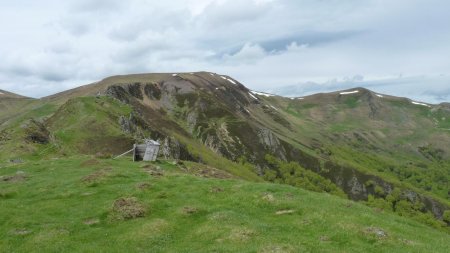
222	15
312	38
264	44
97	5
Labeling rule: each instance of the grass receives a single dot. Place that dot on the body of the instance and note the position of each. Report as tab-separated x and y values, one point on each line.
69	205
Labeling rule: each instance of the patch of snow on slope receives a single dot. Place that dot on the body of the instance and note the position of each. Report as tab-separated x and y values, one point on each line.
174	74
300	98
261	93
231	81
349	92
418	103
211	74
274	107
380	96
1	93
228	79
251	95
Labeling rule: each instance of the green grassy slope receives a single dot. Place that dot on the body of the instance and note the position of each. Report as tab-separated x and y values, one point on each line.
383	143
70	205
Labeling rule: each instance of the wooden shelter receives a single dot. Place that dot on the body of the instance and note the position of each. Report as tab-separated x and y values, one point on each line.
144	152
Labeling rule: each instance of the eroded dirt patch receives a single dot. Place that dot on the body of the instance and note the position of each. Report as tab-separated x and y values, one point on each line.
189	210
207	172
91	221
96	176
90	162
281	212
21	231
128	208
143	186
376	232
153	170
20	176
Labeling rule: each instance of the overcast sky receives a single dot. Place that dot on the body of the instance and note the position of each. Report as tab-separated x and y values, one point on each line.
291	47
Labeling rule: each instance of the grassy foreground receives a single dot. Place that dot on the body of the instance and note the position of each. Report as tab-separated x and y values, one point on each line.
91	205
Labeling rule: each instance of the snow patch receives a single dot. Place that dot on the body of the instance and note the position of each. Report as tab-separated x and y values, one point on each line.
1	93
174	74
211	74
228	79
274	107
349	92
231	81
251	95
300	98
418	103
262	93
380	96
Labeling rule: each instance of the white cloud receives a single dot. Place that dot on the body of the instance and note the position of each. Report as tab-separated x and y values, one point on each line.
265	44
249	53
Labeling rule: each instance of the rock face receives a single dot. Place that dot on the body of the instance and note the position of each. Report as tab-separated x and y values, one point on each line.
353	182
172	148
37	132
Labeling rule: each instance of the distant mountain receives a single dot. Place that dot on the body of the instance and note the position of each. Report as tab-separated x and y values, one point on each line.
389	151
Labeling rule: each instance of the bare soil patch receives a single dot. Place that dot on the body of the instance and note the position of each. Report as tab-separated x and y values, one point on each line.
207	172
91	221
21	231
281	212
18	177
90	162
188	210
143	186
96	176
377	232
128	208
153	170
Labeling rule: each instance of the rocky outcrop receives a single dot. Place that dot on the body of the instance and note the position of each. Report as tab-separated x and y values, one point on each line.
358	186
36	132
172	148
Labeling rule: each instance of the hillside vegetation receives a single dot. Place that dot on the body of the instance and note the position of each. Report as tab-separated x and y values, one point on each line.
388	153
85	204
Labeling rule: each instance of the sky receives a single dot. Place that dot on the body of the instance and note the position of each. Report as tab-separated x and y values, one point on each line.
288	47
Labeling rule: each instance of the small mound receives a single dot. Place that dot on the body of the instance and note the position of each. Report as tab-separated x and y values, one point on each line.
155	171
18	177
188	210
91	221
208	172
128	208
96	176
281	212
90	162
377	232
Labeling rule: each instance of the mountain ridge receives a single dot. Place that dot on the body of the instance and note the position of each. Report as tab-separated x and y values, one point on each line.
92	89
365	143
